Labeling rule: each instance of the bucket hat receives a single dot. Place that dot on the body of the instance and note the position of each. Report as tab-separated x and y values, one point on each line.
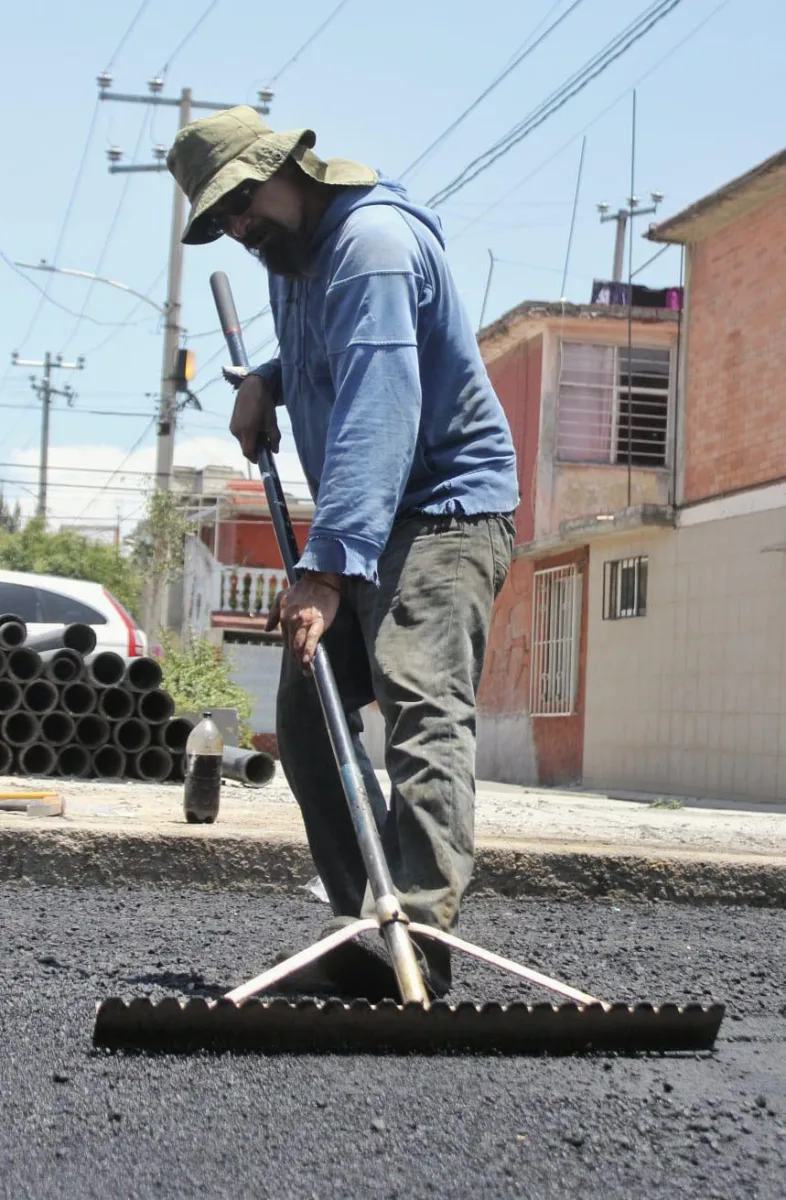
212	156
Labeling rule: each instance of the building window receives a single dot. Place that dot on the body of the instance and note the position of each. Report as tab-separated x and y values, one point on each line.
625	588
556	626
613	404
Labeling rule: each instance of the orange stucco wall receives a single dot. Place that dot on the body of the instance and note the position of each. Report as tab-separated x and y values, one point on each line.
516	377
249	541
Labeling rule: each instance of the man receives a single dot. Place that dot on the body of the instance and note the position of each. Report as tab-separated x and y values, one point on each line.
411	464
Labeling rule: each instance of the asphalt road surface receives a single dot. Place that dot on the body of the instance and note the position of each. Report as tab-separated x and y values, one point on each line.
77	1124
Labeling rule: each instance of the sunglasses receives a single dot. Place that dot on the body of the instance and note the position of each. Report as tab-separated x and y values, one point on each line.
235	204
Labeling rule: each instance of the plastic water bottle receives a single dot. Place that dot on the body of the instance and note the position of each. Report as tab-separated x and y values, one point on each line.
204	750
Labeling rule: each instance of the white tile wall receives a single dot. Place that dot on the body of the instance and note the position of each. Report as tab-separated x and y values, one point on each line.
691	699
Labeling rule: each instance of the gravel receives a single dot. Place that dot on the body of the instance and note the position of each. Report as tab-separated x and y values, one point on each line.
82	1124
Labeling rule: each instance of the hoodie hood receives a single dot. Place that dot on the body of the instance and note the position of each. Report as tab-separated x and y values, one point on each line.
386	191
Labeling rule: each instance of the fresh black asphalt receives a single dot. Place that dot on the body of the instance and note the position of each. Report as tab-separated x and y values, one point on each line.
77	1124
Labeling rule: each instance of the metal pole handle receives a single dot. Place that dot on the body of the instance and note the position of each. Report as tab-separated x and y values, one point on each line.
388	910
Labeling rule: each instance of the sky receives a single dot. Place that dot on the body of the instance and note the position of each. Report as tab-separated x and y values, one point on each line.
379	84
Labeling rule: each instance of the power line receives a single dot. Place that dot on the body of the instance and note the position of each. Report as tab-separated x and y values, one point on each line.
127	33
598	117
192	337
222	348
135	447
309	40
185	40
63	227
77	181
517	61
576	83
84	412
81	487
127	320
109	236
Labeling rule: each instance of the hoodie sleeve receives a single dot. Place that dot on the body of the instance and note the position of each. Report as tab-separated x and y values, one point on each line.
370	322
270	372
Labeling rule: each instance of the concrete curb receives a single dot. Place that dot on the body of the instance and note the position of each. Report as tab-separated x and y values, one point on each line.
91	857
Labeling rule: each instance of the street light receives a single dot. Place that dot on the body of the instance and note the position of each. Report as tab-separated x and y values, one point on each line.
123	287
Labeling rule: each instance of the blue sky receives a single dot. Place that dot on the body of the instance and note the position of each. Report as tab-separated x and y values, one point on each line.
379	85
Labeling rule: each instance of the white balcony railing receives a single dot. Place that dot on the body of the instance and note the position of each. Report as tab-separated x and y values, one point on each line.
212	587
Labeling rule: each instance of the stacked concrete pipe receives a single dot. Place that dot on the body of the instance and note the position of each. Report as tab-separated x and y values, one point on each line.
69	711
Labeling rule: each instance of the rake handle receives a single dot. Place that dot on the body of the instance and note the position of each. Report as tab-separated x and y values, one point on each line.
388	910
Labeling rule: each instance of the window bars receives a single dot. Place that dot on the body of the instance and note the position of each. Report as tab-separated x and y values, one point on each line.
613	404
556	625
625	588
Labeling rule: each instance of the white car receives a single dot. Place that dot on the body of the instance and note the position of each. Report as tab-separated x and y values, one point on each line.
47	602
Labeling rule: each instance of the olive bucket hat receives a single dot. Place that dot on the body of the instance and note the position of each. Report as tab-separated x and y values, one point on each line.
213	156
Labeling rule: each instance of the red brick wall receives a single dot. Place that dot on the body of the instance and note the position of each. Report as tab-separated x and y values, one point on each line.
516	377
559	741
734	424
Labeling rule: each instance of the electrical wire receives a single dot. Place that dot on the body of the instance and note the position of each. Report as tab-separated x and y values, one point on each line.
127	33
75	188
110	232
187	38
63	227
83	412
576	83
222	348
117	469
598	117
309	41
192	337
127	319
518	59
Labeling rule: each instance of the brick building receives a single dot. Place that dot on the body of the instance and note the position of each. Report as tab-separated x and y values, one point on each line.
641	639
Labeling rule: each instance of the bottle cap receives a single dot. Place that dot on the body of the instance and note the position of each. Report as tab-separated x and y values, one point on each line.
207	712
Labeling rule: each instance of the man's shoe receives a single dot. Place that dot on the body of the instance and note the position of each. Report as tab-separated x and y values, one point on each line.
359	969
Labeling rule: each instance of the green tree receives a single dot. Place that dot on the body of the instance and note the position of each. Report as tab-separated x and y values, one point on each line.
157	549
72	556
10	518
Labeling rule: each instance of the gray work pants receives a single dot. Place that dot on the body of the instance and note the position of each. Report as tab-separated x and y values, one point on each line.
416	645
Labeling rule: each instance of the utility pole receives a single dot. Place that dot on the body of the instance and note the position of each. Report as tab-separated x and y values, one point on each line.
167	415
43	388
622	216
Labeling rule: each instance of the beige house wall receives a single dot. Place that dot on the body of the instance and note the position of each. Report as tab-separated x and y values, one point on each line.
691	698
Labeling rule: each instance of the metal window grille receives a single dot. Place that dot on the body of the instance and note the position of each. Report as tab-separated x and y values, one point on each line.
625	588
556	624
613	405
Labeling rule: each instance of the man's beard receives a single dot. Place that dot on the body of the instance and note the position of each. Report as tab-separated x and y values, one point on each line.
281	251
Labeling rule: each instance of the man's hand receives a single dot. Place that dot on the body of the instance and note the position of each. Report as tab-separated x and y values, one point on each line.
305	611
254	414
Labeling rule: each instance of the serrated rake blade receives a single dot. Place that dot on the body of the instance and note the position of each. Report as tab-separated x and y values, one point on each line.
279	1026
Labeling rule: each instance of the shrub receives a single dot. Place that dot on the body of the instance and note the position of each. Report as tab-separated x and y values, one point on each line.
196	676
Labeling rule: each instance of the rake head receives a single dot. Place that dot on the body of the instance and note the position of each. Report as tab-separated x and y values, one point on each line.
278	1026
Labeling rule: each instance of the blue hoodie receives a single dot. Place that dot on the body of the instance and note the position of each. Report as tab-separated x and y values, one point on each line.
380	372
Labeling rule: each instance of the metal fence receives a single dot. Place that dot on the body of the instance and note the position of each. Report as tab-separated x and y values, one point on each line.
556	625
